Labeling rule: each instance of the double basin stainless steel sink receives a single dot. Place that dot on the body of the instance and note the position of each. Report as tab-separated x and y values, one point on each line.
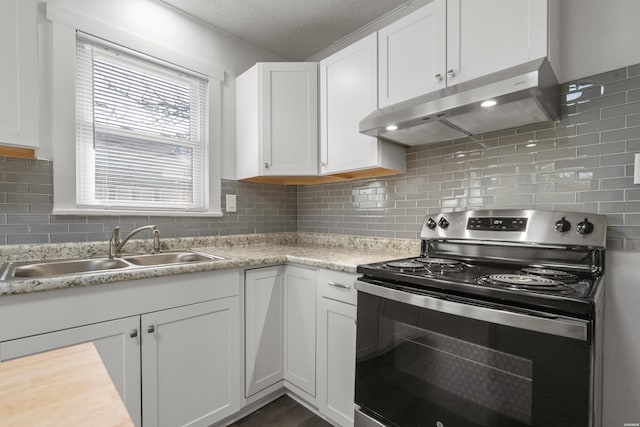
50	268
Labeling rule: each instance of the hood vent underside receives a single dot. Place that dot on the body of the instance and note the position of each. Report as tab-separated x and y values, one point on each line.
525	94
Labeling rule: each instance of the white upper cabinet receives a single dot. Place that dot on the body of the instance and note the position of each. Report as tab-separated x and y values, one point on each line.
336	346
277	120
18	73
413	54
490	35
451	41
348	92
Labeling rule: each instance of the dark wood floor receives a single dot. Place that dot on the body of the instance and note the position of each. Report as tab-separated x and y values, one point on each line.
282	412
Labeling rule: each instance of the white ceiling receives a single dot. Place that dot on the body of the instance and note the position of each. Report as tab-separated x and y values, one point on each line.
291	29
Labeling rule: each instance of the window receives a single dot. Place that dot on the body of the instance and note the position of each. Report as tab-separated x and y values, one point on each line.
141	132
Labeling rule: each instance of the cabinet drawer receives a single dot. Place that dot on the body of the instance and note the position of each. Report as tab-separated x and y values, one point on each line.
337	285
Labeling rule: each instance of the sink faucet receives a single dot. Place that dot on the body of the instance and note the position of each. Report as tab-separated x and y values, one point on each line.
115	244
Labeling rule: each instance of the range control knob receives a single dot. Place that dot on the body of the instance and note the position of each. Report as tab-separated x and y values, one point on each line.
443	223
431	223
584	227
562	226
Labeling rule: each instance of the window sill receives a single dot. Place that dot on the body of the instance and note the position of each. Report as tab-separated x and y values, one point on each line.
104	212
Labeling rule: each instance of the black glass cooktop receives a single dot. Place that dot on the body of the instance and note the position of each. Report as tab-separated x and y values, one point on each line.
555	290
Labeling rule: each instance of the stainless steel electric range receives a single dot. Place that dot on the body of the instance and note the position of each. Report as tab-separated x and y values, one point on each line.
497	322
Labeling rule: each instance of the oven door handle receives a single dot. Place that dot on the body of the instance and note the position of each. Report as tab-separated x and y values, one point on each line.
555	325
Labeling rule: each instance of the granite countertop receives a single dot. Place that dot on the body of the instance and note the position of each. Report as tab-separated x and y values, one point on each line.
341	253
329	257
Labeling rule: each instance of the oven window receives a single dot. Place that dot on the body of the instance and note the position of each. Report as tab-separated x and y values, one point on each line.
485	378
420	367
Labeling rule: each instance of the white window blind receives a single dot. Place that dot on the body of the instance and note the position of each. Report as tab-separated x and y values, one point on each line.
141	132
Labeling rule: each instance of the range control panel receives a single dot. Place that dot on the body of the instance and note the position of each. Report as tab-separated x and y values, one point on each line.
518	225
497	224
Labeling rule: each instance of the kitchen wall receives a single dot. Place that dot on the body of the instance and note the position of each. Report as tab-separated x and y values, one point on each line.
26	196
581	163
584	162
597	36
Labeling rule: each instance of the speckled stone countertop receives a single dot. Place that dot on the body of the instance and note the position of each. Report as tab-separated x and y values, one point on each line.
335	252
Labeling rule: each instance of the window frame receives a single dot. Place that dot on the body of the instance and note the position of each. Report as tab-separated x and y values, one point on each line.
65	25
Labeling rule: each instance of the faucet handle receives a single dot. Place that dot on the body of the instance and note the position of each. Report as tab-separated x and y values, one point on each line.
156	241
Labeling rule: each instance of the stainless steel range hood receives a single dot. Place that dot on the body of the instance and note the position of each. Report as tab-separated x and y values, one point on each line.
525	94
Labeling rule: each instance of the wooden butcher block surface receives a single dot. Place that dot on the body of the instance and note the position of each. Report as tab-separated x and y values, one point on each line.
65	387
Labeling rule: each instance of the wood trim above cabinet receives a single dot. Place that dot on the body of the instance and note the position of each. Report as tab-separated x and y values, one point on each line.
368	173
325	179
293	180
25	153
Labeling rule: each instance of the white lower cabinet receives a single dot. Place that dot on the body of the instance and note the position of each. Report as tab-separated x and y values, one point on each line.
190	364
117	342
173	350
337	299
264	328
300	324
300	328
190	361
336	360
280	329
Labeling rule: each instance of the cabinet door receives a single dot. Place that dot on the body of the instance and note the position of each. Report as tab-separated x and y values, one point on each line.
300	328
190	364
348	92
117	342
18	73
491	35
264	341
413	54
289	121
336	360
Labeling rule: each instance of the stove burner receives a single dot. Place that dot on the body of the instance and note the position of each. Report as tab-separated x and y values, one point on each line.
405	266
443	264
523	279
548	273
524	282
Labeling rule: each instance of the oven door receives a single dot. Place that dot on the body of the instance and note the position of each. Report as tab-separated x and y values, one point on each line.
435	360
